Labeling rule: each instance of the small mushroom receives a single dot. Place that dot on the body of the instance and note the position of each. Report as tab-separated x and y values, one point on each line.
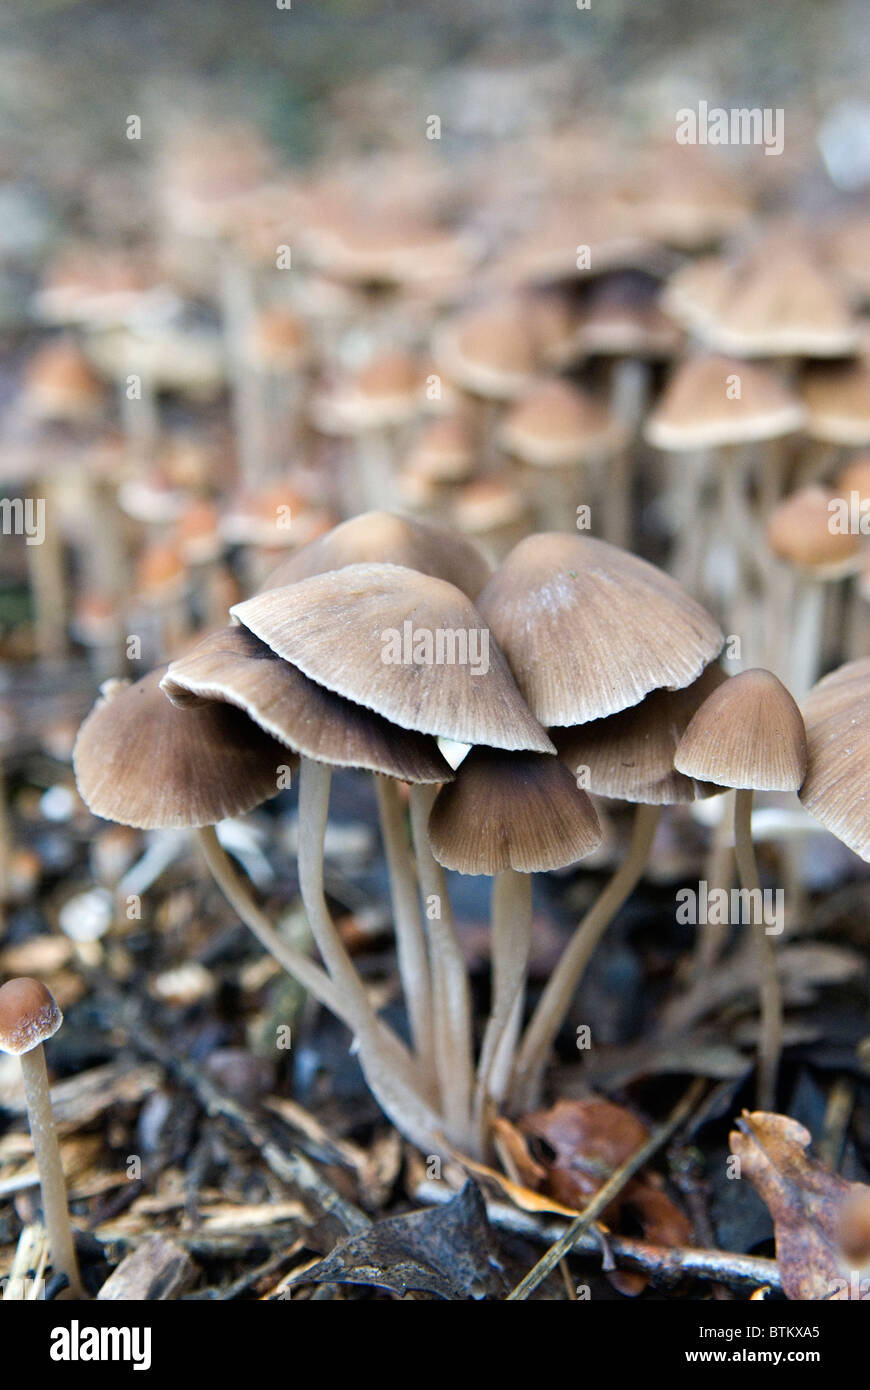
29	1016
749	734
509	815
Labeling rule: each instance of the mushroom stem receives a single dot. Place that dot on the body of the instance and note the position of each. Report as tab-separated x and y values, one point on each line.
309	975
805	631
410	937
48	1161
770	1040
390	1072
511	942
450	989
307	972
562	985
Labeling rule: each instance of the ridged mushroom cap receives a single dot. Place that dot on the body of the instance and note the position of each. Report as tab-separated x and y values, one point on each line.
393	640
391	539
589	630
235	666
748	733
630	755
519	811
141	761
835	790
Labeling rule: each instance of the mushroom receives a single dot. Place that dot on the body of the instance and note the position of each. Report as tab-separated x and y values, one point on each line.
629	756
749	734
509	815
556	429
235	666
388	538
590	631
816	556
29	1016
837	717
415	650
713	409
141	761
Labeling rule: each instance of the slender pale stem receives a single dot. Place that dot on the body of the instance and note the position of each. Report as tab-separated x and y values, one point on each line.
719	869
562	985
307	972
391	1074
770	1040
412	957
450	988
310	975
48	1161
511	941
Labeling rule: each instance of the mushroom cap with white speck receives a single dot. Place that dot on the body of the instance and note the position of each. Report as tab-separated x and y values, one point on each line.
29	1015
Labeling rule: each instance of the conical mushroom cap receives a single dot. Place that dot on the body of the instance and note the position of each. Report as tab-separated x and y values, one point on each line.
140	761
235	666
372	634
589	629
519	811
390	539
630	755
837	715
749	733
698	410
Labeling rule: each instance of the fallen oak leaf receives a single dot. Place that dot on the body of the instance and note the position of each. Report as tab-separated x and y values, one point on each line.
806	1202
582	1143
448	1251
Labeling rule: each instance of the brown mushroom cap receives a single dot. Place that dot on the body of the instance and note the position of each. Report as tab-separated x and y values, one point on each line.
556	425
837	401
799	530
140	761
698	411
589	629
235	666
341	630
519	811
774	301
387	538
630	755
837	716
29	1015
749	734
490	352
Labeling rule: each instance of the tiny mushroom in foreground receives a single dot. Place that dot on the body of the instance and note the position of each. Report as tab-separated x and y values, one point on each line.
29	1016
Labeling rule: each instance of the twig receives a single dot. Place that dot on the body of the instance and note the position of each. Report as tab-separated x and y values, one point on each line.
291	1166
665	1265
605	1195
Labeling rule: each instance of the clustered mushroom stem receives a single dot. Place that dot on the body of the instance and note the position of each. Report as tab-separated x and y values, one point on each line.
307	972
718	872
411	952
309	975
770	1040
391	1074
48	1161
450	988
511	938
557	997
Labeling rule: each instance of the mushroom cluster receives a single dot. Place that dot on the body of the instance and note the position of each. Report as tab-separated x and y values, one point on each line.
573	670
